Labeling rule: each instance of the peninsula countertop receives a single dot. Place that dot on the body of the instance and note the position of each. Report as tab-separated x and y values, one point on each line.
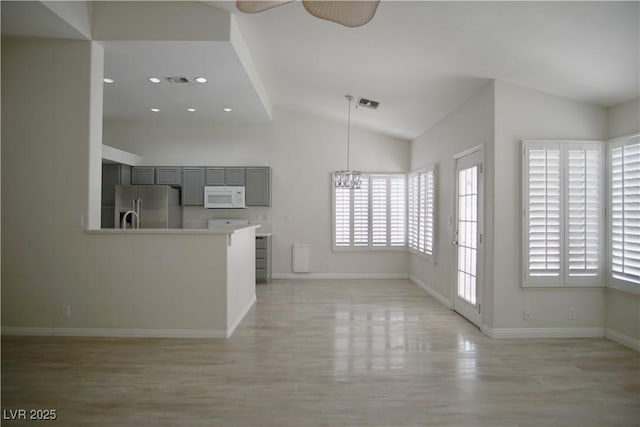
187	231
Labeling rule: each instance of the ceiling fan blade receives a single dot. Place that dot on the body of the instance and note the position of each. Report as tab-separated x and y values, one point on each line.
255	6
350	13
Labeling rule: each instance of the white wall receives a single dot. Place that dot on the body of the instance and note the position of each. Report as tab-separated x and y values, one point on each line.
469	125
302	151
165	283
623	119
526	114
622	308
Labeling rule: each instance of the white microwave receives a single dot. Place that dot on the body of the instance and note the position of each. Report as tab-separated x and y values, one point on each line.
223	197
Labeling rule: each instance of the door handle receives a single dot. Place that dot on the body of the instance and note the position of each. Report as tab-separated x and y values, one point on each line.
455	243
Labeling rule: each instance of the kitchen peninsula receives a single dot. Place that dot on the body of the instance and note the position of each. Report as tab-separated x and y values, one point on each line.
196	283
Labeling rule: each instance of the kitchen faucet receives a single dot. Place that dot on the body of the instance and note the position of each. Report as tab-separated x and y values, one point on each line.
135	215
135	219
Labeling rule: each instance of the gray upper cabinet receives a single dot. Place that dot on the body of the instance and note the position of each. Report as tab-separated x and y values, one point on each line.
143	175
192	186
111	176
258	186
234	176
214	176
168	175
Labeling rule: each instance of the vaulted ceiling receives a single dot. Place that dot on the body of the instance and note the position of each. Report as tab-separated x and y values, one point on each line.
418	59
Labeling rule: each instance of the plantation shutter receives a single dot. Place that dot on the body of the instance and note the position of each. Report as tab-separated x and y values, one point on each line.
361	214
379	215
422	212
625	210
427	222
583	216
412	233
421	205
342	217
397	209
543	204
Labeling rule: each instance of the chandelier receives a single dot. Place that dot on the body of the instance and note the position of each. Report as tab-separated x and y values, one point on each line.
347	178
350	13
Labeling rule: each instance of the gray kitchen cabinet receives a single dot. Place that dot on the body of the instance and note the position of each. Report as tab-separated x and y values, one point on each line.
143	175
234	176
258	186
263	258
193	186
112	174
168	175
214	176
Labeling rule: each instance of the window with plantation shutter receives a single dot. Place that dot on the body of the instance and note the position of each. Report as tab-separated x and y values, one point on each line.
397	211
583	213
421	207
361	214
379	213
563	213
372	216
624	231
413	181
342	217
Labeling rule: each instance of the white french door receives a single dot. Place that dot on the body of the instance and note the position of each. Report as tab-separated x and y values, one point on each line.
468	235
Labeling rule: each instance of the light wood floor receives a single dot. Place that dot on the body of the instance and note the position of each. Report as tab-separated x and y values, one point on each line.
328	353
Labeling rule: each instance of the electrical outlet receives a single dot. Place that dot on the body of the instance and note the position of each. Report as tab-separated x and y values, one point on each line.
77	220
572	313
66	311
526	313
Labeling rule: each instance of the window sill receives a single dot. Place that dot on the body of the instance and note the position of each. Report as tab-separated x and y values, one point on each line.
561	286
626	287
368	249
428	258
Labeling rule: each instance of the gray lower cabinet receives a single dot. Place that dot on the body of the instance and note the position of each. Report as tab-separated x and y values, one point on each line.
263	258
168	175
143	175
258	186
214	176
193	186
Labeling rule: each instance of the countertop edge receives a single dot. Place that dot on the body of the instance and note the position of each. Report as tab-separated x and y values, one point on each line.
183	231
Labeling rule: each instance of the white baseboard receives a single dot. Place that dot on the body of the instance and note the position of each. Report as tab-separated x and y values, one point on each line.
625	340
309	276
542	332
430	290
114	333
243	313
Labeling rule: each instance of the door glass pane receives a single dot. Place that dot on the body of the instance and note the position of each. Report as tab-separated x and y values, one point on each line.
467	227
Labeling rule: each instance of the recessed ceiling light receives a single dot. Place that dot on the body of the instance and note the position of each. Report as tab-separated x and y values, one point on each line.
155	110
154	80
200	79
191	110
227	109
108	80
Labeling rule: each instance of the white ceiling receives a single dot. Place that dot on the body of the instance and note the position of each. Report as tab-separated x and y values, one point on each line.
422	59
131	64
418	59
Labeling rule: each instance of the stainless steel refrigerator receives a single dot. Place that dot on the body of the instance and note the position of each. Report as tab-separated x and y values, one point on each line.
157	206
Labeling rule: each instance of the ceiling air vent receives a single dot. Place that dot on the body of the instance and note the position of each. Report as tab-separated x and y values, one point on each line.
177	79
367	103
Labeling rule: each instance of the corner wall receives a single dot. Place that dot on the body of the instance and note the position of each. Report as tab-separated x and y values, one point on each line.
623	308
469	125
527	114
